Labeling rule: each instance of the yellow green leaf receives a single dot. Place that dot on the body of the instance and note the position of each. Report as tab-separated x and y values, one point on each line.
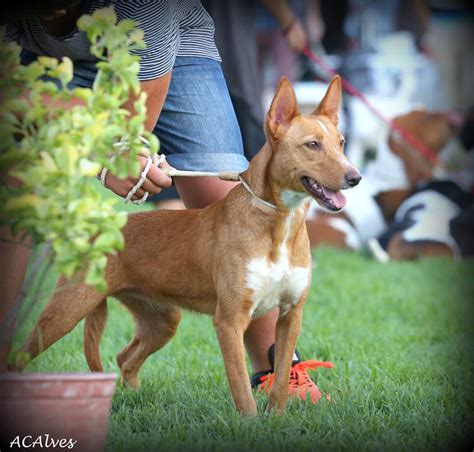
107	14
47	61
48	161
22	202
89	168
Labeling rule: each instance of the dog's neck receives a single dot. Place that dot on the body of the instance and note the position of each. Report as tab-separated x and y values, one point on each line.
257	176
281	224
265	186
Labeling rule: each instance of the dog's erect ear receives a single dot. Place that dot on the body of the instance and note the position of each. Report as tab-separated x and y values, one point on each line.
283	109
331	102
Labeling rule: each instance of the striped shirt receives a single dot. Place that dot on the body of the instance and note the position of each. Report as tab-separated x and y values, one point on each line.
171	28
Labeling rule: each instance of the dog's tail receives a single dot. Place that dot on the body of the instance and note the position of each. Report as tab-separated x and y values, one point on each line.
93	330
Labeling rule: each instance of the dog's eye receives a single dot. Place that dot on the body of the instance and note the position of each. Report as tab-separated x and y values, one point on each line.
315	145
342	142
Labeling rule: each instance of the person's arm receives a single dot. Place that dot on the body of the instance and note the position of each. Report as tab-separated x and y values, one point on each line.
156	91
159	25
314	22
423	14
288	22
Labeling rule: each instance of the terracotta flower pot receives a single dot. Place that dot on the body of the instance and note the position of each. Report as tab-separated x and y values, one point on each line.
43	409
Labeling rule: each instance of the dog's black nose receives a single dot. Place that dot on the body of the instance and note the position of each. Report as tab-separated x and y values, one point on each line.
353	177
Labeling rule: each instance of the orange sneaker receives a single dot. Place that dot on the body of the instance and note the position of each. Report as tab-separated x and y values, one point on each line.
300	384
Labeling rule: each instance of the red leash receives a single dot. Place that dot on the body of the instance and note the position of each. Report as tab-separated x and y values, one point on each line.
406	136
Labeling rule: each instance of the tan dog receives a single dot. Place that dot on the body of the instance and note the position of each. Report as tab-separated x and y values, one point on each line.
234	260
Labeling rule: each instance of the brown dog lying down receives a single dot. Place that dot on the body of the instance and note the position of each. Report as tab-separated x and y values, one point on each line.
392	178
234	260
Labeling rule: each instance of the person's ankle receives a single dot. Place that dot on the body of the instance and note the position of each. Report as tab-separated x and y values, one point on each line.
271	356
266	365
262	364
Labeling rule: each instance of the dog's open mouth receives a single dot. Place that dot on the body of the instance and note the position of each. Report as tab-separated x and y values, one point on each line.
330	199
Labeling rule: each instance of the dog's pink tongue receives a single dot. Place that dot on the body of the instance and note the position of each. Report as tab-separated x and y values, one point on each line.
337	198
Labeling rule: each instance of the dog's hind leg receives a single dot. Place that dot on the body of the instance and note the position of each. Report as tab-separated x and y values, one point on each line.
155	326
93	330
68	306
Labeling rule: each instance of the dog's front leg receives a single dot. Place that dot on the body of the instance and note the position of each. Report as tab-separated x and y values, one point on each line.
230	327
287	332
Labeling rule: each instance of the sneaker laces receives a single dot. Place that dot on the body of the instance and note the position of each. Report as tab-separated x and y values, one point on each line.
300	383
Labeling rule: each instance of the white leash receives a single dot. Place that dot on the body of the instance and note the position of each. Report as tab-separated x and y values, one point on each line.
159	159
224	175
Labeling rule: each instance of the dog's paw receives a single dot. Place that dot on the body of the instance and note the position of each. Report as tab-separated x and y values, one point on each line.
131	382
276	406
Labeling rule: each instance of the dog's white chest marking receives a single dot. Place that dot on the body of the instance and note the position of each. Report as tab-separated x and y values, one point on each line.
293	199
276	283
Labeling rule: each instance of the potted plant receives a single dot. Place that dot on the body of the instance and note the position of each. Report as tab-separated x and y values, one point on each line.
50	156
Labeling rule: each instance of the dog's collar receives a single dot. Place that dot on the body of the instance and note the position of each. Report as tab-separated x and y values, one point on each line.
260	200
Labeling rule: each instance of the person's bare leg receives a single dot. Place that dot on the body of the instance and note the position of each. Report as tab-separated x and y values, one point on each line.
13	265
260	335
199	192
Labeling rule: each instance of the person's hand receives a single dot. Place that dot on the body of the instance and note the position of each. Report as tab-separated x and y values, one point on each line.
296	36
289	24
155	181
316	29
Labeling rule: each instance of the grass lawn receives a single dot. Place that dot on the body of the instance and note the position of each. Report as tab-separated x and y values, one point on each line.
400	338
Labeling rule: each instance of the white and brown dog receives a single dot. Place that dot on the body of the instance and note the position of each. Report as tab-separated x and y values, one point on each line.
404	206
234	260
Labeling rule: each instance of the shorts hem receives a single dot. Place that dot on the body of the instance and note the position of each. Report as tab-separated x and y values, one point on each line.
222	161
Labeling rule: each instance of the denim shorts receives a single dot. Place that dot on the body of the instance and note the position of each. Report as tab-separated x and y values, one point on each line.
197	128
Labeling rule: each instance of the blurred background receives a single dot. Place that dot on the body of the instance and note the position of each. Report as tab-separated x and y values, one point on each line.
412	61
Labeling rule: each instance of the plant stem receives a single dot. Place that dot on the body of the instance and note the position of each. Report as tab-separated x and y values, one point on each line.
44	254
37	292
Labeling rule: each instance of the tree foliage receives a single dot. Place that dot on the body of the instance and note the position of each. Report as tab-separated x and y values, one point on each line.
52	153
